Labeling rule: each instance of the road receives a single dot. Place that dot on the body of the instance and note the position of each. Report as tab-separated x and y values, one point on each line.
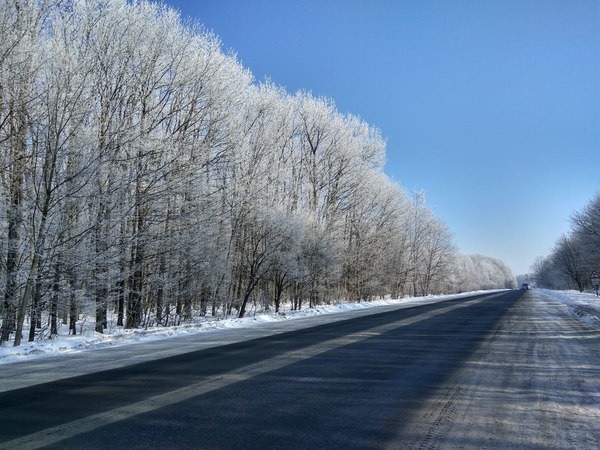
503	370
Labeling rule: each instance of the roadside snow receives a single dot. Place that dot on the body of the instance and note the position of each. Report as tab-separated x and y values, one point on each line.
585	306
89	340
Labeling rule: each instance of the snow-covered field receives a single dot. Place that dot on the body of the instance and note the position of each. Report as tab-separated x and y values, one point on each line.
89	340
586	306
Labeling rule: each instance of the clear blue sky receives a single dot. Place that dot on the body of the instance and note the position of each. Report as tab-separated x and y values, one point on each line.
492	107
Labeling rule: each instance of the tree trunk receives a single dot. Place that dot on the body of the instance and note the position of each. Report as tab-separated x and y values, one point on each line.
122	276
73	307
120	301
136	281
244	302
54	301
33	270
36	313
100	289
160	293
14	224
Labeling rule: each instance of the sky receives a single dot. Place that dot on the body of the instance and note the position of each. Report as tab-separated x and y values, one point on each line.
490	107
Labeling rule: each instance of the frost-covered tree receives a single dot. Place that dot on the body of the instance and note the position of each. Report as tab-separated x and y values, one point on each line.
480	272
147	176
21	62
586	234
575	255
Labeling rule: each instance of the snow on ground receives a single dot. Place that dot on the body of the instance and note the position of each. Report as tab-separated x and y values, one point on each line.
88	339
583	305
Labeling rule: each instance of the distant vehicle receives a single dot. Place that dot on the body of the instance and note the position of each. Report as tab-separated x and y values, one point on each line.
525	287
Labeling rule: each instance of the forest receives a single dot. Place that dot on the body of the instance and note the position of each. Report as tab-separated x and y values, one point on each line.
146	176
575	255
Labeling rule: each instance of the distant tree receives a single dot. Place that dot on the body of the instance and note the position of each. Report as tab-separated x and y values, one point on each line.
266	236
480	272
568	259
575	255
546	275
586	233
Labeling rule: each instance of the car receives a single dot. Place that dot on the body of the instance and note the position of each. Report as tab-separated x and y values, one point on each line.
525	287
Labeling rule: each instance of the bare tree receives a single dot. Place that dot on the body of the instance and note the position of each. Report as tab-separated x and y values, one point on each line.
146	175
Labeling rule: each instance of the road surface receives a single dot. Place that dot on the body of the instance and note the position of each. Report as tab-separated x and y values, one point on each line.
502	370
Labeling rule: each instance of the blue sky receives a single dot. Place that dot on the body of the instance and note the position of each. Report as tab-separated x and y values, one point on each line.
492	107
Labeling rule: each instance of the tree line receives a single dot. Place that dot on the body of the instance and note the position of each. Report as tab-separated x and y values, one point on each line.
480	272
575	255
146	174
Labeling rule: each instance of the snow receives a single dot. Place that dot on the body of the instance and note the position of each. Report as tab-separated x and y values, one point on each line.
532	384
89	340
584	306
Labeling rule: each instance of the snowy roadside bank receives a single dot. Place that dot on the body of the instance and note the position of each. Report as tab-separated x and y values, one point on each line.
584	305
90	340
88	352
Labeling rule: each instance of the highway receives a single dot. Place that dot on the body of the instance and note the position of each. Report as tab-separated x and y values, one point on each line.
464	373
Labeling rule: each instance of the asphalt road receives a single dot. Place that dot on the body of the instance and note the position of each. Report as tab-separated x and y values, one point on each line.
389	380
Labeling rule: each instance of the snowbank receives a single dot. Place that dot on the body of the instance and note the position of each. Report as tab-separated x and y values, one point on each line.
585	306
88	339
